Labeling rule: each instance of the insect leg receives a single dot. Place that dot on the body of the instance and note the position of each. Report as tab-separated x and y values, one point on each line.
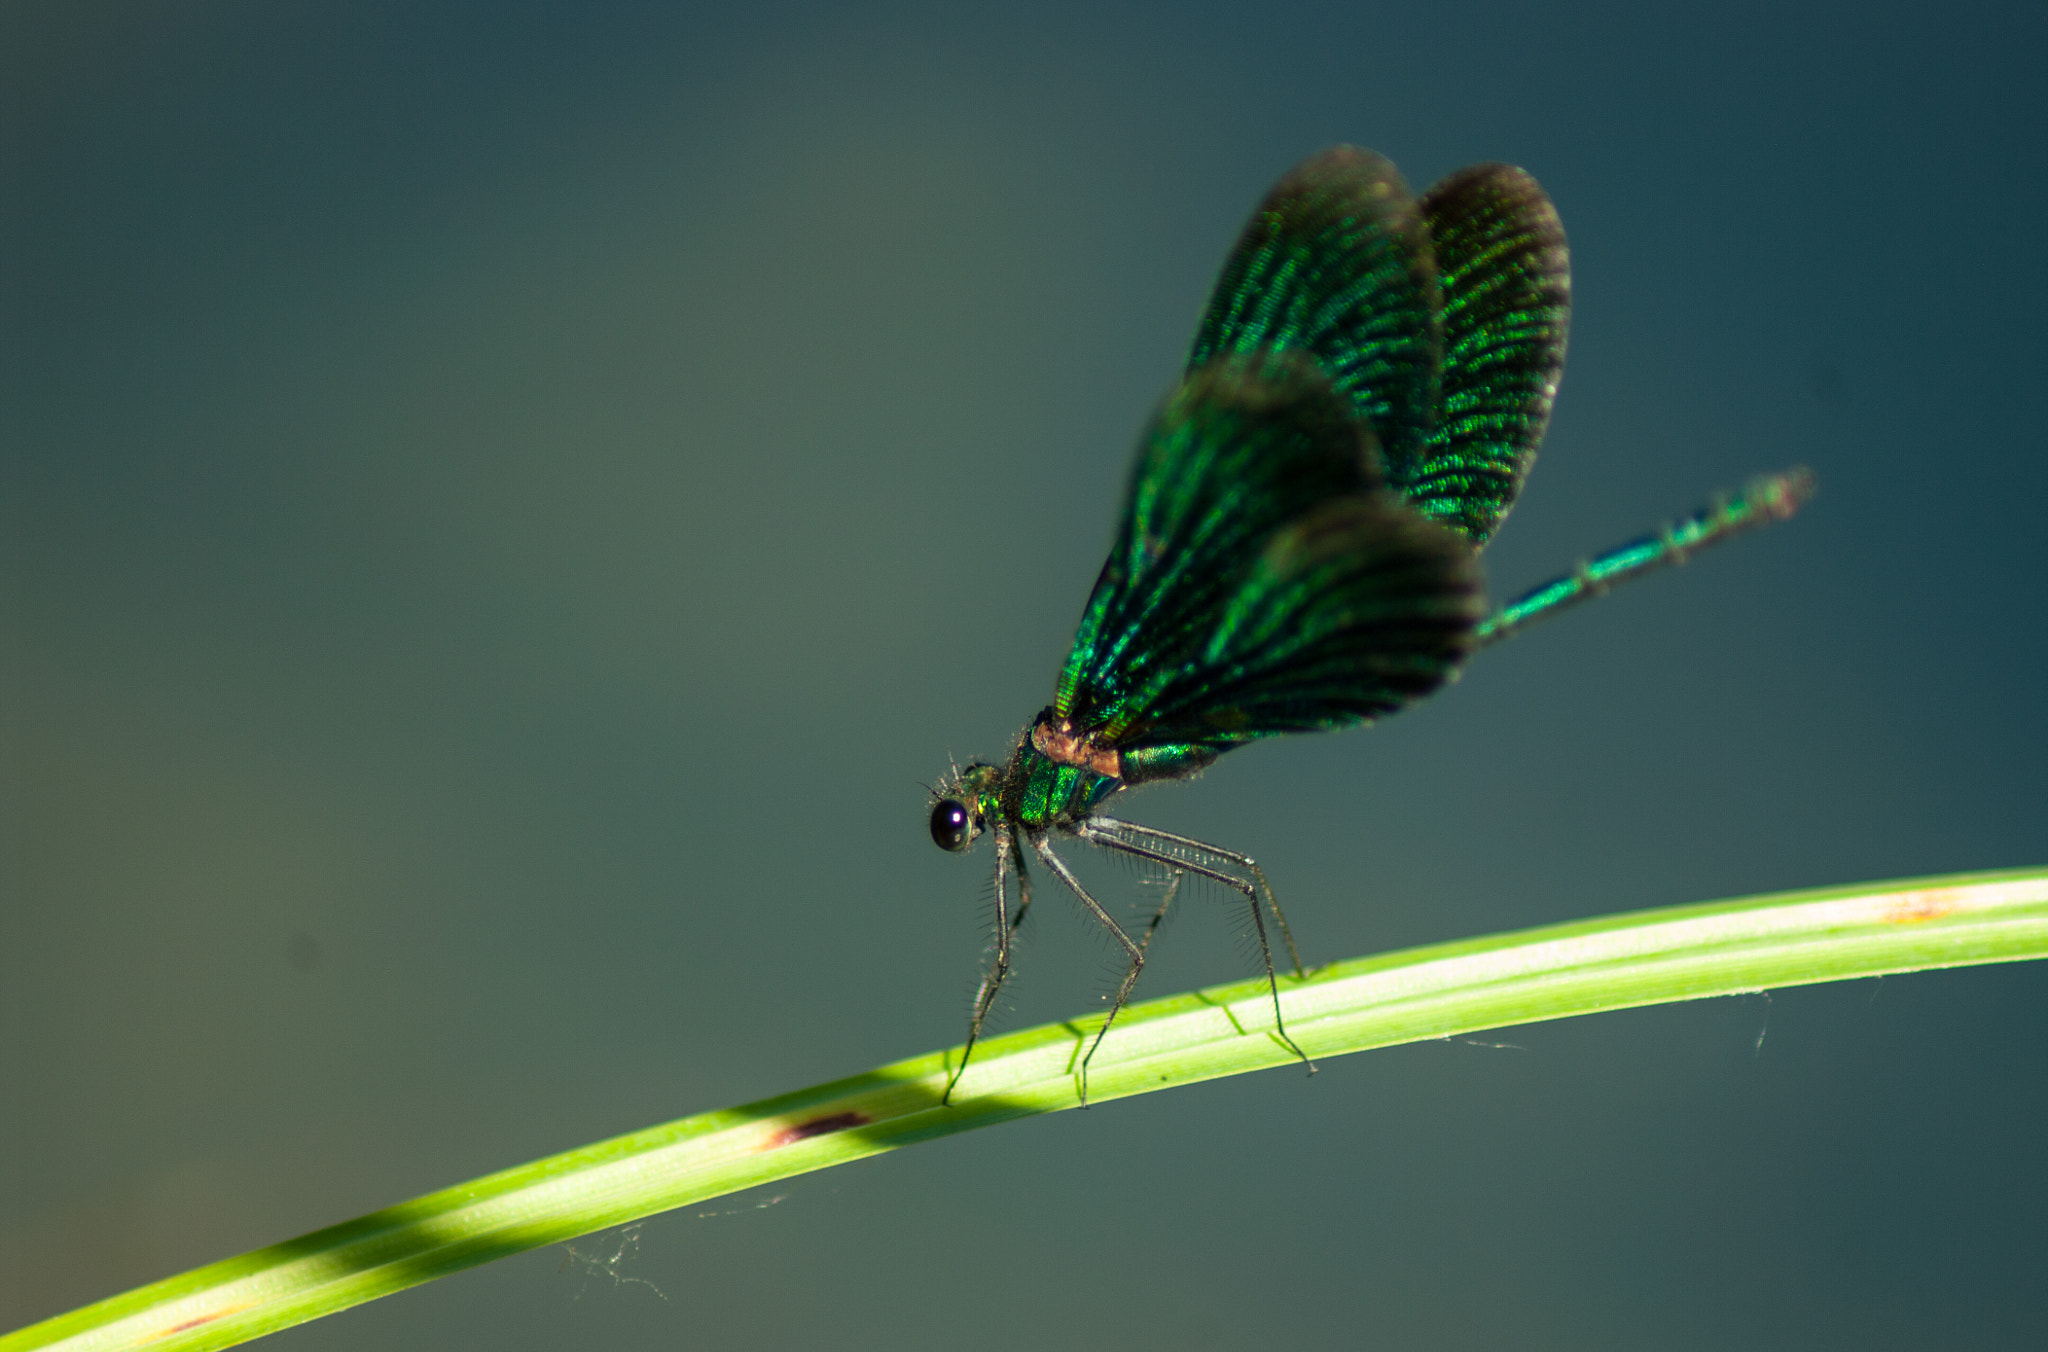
1172	890
1009	858
1108	840
1243	861
1131	948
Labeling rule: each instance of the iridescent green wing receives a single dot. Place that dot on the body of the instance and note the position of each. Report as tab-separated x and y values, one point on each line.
1263	580
1335	264
1506	279
1357	609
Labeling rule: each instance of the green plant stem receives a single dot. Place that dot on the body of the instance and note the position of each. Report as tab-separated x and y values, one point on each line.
1649	957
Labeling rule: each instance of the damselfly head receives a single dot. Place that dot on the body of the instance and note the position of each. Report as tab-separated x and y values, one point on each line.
961	804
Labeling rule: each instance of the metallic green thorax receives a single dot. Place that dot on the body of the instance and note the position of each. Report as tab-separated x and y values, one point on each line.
1049	794
1032	789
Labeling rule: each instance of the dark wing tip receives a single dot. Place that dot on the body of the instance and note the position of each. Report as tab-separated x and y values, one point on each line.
1340	162
1504	193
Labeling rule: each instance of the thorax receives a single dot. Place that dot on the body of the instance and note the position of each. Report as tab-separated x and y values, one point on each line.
1041	791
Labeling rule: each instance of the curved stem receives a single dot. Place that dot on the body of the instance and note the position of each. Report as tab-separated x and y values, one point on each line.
1616	962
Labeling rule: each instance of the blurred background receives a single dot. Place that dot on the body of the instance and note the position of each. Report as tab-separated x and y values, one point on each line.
507	505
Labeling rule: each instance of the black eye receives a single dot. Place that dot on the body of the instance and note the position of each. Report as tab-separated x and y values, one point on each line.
950	824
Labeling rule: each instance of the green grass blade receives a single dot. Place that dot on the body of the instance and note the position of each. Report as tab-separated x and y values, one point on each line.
1649	957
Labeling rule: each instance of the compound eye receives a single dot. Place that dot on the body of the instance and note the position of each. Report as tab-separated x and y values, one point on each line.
952	826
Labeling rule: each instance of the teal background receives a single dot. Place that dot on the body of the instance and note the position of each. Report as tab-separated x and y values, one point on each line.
506	505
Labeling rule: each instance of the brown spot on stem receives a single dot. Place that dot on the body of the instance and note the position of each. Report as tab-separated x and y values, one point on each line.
1913	907
187	1325
817	1126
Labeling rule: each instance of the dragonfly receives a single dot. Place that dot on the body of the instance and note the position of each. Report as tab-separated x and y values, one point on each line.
1300	539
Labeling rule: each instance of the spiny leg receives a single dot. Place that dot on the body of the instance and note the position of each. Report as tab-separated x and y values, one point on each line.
1243	861
1109	842
1009	858
1172	890
1131	948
